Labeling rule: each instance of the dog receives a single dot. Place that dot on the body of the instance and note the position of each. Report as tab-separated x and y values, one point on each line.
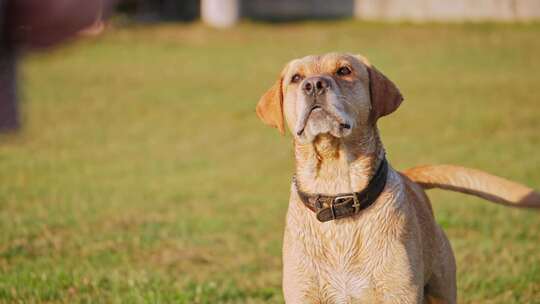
358	231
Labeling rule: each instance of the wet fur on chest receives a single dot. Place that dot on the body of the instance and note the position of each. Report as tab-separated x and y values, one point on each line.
340	261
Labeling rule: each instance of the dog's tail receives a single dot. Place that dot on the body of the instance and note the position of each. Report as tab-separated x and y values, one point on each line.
474	182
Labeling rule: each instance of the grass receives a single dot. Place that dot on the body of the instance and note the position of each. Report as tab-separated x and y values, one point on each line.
143	175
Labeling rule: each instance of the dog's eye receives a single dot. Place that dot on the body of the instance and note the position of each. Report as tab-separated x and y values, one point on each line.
343	71
296	78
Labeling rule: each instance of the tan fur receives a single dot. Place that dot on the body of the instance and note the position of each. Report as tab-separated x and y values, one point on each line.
270	107
475	182
393	251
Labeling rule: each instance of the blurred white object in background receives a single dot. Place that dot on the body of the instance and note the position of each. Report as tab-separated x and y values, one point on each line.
448	11
220	13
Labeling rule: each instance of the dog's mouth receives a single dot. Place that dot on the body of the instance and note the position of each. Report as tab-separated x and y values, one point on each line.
304	119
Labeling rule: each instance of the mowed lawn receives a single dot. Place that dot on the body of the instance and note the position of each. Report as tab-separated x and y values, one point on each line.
142	174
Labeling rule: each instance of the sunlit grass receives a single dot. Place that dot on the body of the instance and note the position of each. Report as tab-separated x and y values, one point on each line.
143	175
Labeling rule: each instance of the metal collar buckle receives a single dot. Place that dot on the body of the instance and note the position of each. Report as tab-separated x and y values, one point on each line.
344	198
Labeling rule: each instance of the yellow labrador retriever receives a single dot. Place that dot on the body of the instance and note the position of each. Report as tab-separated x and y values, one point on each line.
357	231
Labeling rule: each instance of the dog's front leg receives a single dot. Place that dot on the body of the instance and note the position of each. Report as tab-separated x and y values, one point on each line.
398	274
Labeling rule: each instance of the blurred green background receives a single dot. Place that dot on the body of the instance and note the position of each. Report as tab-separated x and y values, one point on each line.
143	175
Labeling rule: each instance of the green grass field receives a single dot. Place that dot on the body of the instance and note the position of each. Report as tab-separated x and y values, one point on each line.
143	175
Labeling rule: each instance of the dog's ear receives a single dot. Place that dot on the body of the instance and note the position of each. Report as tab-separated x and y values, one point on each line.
270	106
385	96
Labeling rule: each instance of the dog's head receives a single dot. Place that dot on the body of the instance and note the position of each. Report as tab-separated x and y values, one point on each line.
331	94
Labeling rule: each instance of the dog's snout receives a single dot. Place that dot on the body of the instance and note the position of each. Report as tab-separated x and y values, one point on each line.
315	85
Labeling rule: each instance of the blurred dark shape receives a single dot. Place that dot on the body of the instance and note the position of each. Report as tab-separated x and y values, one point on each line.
37	24
161	10
290	10
9	118
9	115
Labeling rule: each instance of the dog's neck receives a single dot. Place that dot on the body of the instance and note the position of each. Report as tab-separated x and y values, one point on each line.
330	165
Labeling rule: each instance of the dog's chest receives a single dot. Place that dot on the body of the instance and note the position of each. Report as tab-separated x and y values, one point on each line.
343	261
346	287
341	280
334	266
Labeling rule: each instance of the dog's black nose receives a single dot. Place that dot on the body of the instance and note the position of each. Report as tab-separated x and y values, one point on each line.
315	85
